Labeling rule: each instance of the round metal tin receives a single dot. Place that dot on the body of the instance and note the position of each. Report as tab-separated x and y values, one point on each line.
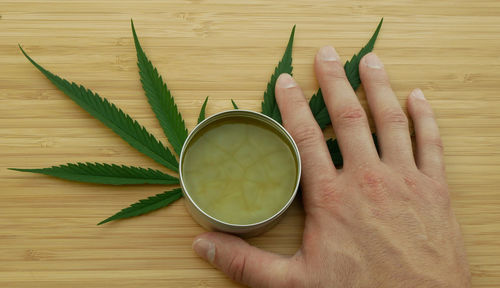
211	223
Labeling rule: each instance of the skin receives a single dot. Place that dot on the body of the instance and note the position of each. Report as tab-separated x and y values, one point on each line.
380	221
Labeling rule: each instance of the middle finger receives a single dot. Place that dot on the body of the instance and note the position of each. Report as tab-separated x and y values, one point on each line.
348	116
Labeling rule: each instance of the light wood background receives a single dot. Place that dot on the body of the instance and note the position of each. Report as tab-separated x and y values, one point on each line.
224	49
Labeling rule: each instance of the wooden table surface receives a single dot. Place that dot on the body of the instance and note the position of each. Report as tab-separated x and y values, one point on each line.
223	49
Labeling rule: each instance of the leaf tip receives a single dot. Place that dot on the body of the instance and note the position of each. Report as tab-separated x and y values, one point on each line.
105	221
134	34
22	50
292	34
20	169
234	104
379	25
201	117
132	25
29	58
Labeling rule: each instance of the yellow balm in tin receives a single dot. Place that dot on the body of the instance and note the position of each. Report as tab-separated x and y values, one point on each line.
240	170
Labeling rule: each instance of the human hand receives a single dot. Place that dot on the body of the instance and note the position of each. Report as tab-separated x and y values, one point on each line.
380	221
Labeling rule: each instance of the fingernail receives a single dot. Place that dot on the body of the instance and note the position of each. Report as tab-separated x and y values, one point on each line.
418	94
328	53
205	249
286	81
372	61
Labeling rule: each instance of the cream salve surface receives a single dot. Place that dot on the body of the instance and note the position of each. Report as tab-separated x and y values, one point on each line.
239	171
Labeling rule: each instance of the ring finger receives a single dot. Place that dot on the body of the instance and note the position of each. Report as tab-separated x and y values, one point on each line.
390	120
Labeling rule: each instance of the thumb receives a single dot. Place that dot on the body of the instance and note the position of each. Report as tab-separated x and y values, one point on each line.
242	262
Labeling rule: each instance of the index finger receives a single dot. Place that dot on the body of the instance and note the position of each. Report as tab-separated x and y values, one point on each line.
299	121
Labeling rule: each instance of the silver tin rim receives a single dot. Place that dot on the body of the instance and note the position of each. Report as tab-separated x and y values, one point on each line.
252	114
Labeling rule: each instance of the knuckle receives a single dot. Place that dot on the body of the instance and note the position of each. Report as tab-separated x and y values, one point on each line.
236	268
307	135
438	194
411	182
442	191
374	185
436	143
371	178
434	190
394	116
327	194
350	115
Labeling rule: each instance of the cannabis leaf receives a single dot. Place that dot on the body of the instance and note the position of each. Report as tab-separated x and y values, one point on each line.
351	67
334	149
165	109
269	105
160	99
147	205
202	111
318	104
234	104
102	173
122	124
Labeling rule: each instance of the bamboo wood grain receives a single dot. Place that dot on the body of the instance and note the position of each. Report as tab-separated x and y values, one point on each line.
223	49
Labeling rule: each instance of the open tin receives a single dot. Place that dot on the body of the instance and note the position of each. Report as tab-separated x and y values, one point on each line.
209	221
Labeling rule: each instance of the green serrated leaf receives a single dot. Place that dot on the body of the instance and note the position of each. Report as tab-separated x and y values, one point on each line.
318	104
351	68
201	117
234	105
334	149
147	205
102	173
160	99
269	105
113	117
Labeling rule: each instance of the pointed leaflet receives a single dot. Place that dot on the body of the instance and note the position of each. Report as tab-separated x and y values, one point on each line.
147	205
122	124
201	117
234	104
160	99
334	149
318	104
102	173
269	105
351	68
